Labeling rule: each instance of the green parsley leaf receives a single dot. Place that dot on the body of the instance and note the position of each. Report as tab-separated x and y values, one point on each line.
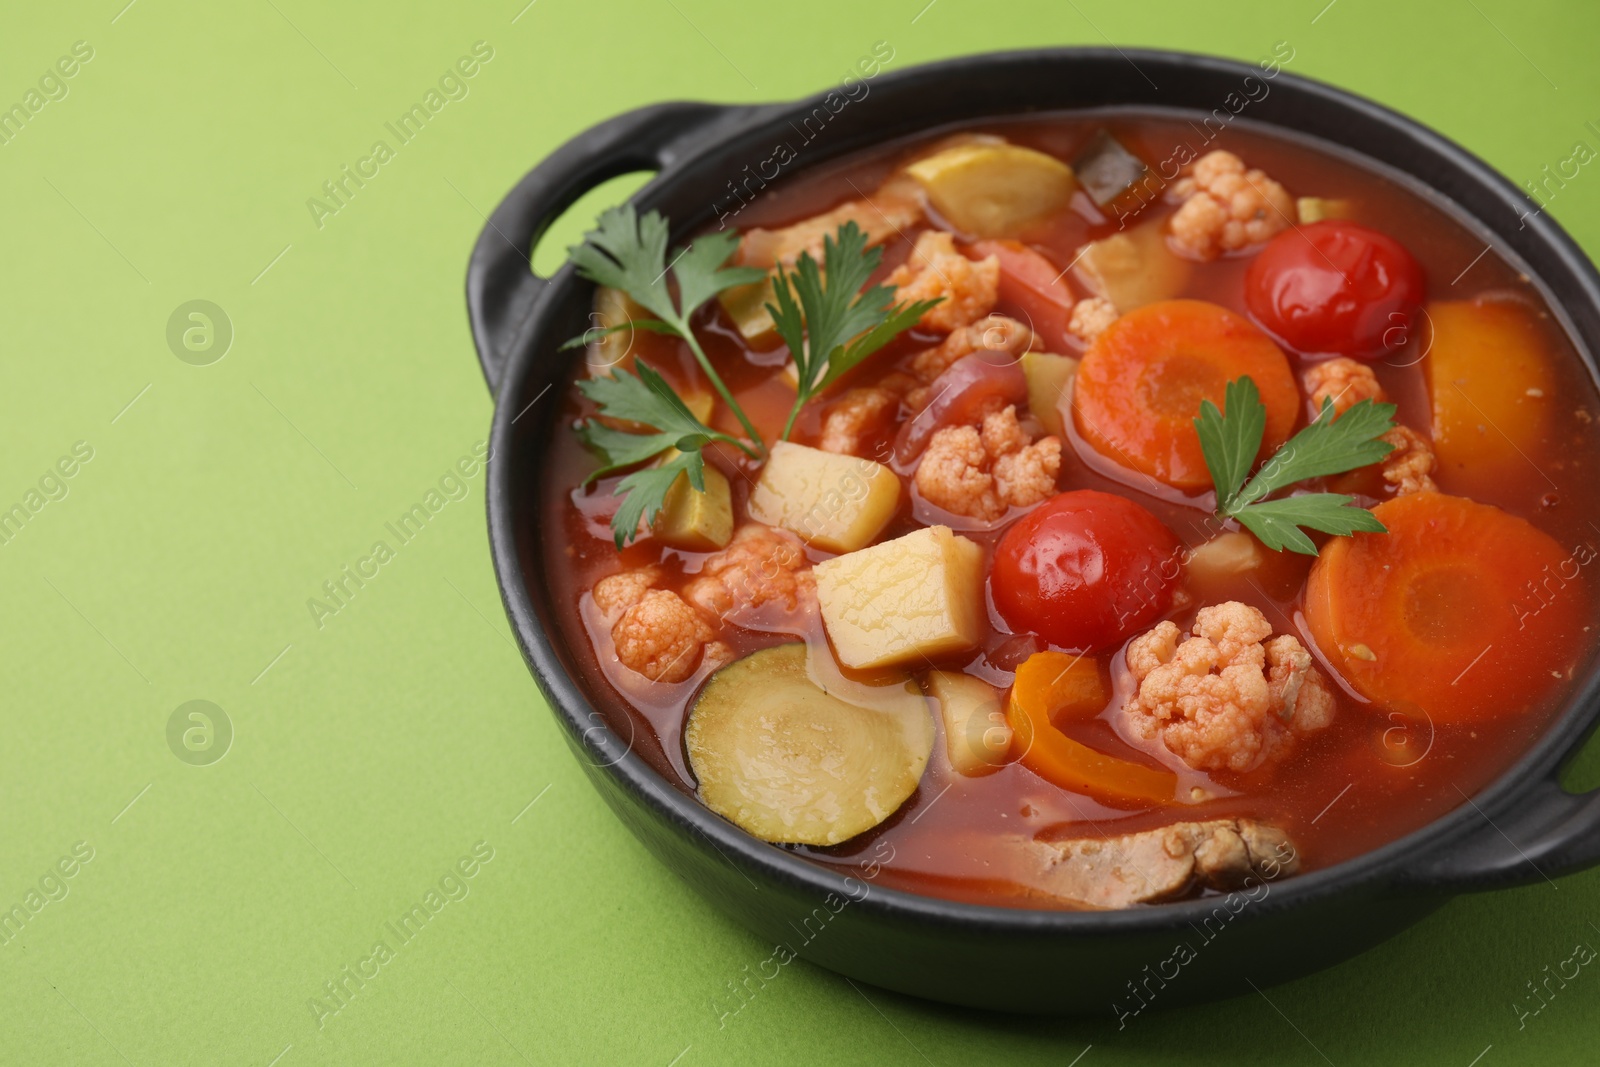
629	253
1327	446
645	490
828	322
647	398
1276	523
1230	440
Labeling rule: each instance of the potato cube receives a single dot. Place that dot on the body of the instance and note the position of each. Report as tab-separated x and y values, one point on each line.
746	305
1133	268
994	190
977	736
694	520
905	600
1049	378
837	503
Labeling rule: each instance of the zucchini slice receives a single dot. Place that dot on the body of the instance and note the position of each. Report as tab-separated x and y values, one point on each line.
793	757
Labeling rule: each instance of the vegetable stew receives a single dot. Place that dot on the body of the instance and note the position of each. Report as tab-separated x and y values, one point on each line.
1080	512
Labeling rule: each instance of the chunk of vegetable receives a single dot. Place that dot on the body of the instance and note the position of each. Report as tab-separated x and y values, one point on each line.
1053	687
976	734
1109	172
994	190
790	762
1460	609
1315	208
1227	555
1140	385
903	601
1133	268
1034	287
746	305
612	308
1490	379
835	502
1085	569
1049	379
961	395
694	520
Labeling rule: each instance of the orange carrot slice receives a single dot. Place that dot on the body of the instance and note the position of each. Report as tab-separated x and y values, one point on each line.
1060	687
1140	385
1461	609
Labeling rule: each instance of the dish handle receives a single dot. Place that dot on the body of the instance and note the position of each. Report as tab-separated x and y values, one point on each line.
1538	834
502	288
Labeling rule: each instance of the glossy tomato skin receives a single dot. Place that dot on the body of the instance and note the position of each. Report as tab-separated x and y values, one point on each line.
1336	288
1086	570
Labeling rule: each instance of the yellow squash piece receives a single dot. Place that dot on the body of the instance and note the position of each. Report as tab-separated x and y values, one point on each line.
994	190
1133	268
792	762
976	734
1490	381
904	601
1315	208
1049	379
694	520
836	502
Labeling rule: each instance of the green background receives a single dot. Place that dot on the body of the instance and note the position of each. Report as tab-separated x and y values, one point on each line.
371	753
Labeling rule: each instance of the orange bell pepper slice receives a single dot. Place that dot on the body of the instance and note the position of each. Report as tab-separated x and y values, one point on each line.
1052	686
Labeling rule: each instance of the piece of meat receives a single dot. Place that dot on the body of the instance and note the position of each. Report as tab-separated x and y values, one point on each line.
992	333
1224	698
1226	208
981	473
1409	467
1164	864
935	269
895	207
761	565
1091	317
859	419
1344	381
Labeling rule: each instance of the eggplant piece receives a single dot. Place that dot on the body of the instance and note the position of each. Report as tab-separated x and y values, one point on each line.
1109	173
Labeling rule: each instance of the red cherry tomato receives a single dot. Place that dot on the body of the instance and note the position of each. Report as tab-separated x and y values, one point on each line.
1085	570
1335	288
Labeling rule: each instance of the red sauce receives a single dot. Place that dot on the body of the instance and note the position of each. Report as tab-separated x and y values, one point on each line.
1364	781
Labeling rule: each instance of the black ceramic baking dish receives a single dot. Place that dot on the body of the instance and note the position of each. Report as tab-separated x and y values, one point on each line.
1522	828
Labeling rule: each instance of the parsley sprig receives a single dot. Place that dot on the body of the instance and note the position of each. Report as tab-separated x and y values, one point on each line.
646	398
629	253
828	322
1231	439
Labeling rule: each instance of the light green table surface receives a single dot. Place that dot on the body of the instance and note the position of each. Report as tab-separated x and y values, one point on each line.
371	753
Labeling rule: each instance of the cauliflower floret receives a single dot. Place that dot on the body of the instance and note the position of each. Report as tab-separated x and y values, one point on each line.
1225	698
857	419
892	209
761	565
992	333
936	269
980	474
1091	317
1343	381
1226	208
616	593
661	637
1409	466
